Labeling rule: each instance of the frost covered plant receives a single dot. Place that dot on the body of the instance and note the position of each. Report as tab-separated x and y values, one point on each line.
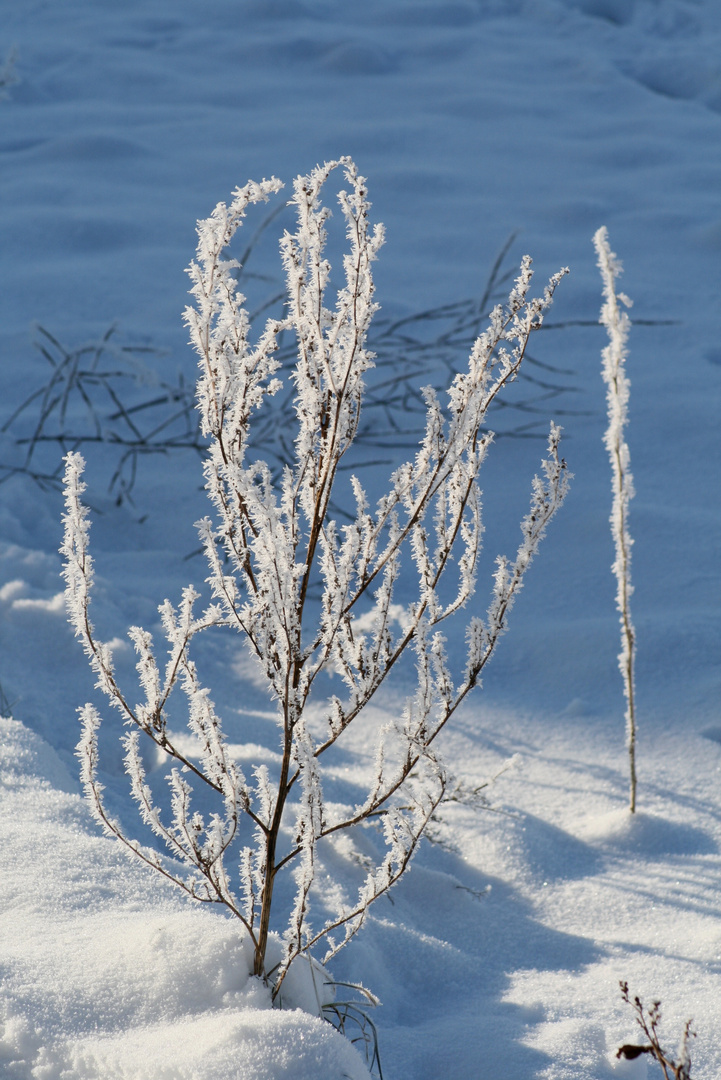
617	324
272	548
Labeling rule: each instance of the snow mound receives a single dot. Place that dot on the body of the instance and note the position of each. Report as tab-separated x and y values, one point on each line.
647	834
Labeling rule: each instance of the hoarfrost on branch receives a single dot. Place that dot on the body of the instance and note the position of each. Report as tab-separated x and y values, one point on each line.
270	543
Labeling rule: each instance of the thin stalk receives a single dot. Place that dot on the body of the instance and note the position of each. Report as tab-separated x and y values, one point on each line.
617	325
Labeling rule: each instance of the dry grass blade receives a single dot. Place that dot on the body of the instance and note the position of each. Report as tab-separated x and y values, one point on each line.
99	392
351	1018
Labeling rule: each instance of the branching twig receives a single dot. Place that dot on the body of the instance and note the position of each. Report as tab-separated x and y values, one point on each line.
649	1022
280	541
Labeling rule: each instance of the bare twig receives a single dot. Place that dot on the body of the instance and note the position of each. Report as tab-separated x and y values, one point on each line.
649	1022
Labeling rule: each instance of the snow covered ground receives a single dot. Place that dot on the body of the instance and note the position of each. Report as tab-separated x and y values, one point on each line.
500	953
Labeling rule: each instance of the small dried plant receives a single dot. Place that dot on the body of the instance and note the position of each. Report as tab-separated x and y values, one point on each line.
274	545
648	1021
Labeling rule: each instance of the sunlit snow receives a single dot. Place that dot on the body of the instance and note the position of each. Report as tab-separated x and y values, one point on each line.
499	955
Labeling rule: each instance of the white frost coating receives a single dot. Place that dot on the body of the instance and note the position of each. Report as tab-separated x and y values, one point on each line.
617	324
280	540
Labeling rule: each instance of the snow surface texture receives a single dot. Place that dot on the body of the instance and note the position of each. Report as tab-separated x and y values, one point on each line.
472	119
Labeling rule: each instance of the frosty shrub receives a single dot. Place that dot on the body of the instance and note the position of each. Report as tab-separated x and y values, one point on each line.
273	548
617	324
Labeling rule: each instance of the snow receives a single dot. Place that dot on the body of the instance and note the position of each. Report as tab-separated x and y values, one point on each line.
501	952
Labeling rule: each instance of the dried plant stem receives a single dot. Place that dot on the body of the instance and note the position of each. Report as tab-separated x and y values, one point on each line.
617	325
649	1021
